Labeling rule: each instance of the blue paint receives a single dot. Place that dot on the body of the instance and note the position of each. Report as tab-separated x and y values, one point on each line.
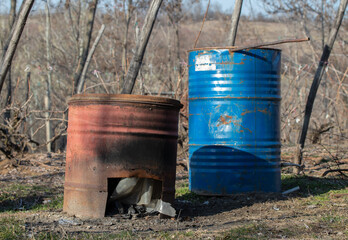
234	121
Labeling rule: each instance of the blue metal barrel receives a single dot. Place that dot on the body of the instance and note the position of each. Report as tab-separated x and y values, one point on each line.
234	121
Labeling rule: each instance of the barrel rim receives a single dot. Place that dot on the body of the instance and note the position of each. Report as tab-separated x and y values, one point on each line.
96	98
231	47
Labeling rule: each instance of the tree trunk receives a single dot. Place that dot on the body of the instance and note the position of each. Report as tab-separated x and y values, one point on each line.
86	38
316	81
322	24
7	114
234	22
169	68
15	35
12	19
178	64
141	47
27	96
125	37
49	77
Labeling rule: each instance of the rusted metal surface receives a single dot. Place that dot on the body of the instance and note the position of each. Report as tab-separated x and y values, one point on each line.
118	136
234	133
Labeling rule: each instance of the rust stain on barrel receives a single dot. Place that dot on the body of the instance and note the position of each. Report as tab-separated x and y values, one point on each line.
224	120
246	111
264	111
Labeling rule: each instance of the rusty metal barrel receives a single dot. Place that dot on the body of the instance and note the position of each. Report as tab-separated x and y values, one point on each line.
234	121
114	137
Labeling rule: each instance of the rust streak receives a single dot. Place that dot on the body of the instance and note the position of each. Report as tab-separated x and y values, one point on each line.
231	63
223	120
197	114
246	112
244	128
264	111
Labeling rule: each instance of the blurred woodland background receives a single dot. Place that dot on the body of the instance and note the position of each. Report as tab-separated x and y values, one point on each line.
59	33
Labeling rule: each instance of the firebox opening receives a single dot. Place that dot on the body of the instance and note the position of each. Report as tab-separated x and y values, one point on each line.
132	195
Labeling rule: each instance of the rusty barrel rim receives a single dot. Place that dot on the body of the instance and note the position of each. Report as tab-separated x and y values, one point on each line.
123	98
230	47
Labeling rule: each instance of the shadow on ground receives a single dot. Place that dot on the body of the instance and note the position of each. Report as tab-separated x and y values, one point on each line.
192	205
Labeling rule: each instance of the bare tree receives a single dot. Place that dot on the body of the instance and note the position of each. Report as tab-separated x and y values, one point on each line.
234	22
174	12
311	14
317	78
12	19
11	45
86	39
49	77
141	47
128	11
164	60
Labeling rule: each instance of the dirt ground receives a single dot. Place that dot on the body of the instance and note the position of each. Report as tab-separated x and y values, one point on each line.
31	195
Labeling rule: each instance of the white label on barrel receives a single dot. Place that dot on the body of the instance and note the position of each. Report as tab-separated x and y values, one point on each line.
203	63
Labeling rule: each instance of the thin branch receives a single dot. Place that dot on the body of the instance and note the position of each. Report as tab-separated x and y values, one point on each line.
335	170
200	31
90	54
260	45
